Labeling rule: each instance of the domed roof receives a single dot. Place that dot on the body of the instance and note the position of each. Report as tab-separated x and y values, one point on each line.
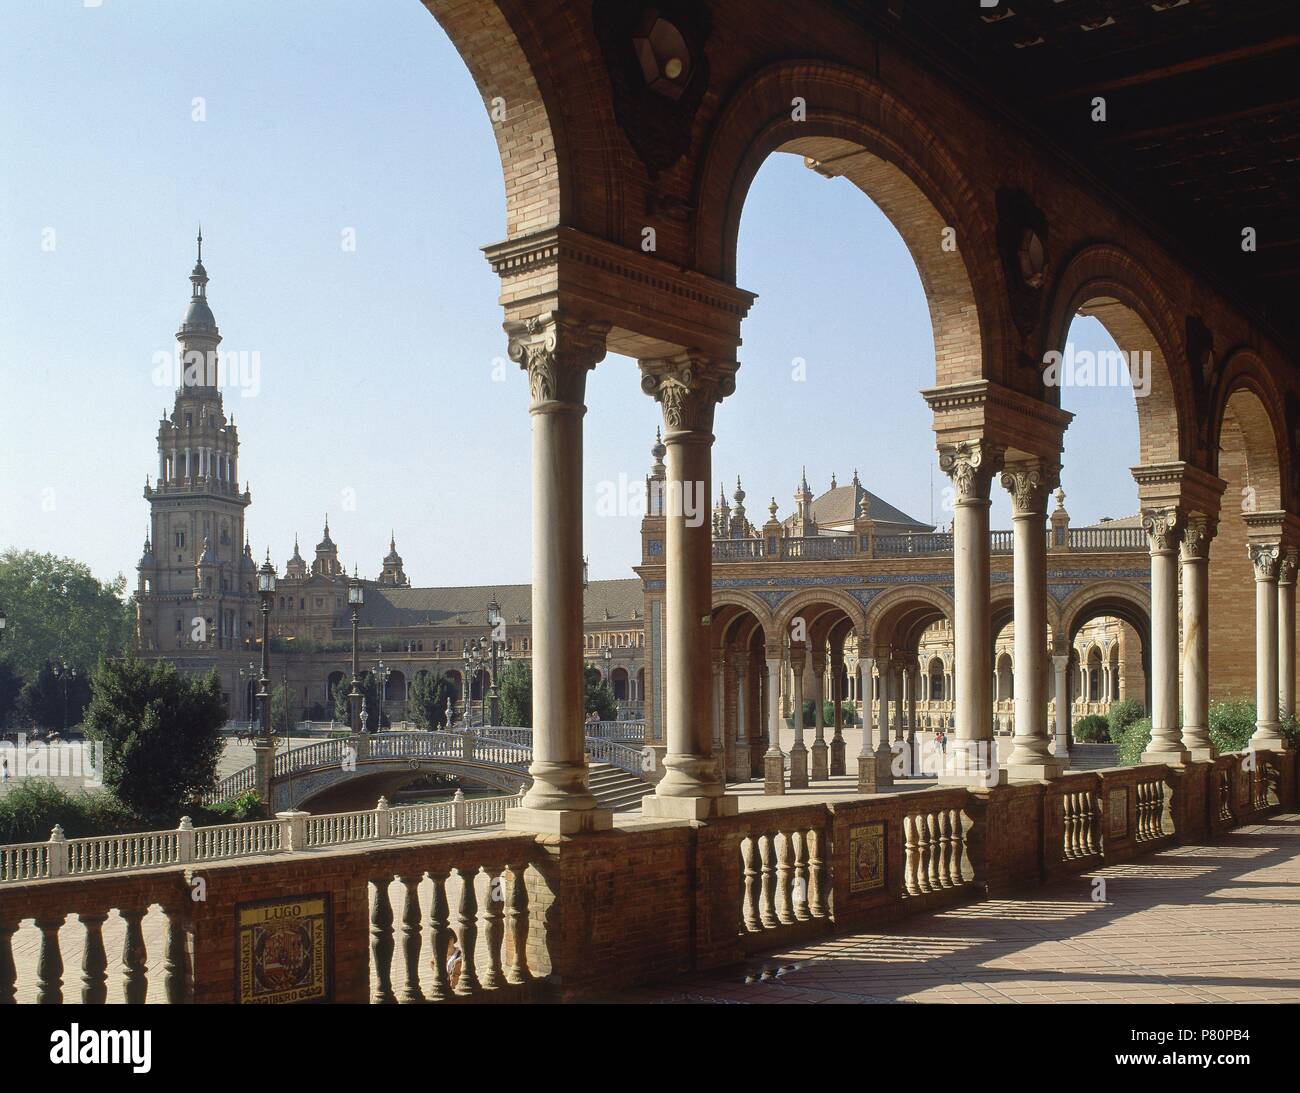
326	545
146	559
392	557
199	317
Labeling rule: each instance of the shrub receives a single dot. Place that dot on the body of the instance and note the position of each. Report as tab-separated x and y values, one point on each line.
32	808
1133	740
1093	729
1122	714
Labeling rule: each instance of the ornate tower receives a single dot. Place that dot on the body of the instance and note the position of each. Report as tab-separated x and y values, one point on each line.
327	562
393	574
196	587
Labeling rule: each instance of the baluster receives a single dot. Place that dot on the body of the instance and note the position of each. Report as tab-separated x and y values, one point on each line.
945	855
1090	814
49	963
800	893
381	944
1067	826
176	962
465	923
935	849
1158	808
490	928
135	966
911	857
516	913
408	939
781	842
94	961
1143	811
439	936
816	906
958	847
749	885
767	894
8	970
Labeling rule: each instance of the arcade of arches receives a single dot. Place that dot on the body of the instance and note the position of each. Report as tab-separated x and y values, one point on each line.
600	142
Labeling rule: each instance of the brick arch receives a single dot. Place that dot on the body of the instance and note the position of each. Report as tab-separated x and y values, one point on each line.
1249	421
1130	603
1104	280
898	160
830	599
730	610
913	607
500	43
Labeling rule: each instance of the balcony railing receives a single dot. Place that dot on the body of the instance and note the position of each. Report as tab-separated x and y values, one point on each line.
1123	538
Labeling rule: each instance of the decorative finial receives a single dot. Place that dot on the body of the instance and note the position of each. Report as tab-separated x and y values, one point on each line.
855	477
833	483
1060	499
772	508
200	242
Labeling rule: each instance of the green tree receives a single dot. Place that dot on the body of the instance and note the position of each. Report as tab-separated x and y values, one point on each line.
427	705
1093	729
161	733
369	689
57	608
515	686
41	701
281	708
11	684
599	697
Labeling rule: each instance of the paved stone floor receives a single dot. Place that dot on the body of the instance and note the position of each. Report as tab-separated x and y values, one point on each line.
1217	923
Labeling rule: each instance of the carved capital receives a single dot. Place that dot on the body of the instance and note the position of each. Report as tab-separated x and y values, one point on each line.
1266	558
1030	485
1162	526
1199	532
1287	565
557	353
971	464
688	388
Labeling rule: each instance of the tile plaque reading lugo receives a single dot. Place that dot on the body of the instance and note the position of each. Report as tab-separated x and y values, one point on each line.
867	857
283	949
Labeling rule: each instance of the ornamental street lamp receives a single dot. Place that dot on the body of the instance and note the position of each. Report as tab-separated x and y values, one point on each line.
66	674
266	587
356	597
381	674
498	641
474	654
249	674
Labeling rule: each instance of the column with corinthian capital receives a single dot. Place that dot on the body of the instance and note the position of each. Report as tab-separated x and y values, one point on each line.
1030	484
971	465
1195	554
1286	578
688	388
557	353
1164	528
1266	559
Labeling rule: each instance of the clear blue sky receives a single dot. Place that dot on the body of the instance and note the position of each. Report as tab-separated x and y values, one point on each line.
377	365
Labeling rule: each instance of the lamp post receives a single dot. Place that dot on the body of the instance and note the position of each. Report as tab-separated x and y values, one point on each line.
472	652
65	673
498	641
381	673
266	588
249	674
607	655
356	597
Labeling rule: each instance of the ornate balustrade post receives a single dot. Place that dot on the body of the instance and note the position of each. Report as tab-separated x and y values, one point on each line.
135	968
688	387
177	984
1195	555
516	925
1266	558
49	961
820	752
1030	484
971	465
465	924
440	936
381	943
8	970
798	750
557	353
408	938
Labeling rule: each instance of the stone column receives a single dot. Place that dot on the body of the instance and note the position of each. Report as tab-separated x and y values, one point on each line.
1164	530
741	744
866	756
913	690
720	714
884	754
837	764
820	771
1286	580
773	759
1266	559
970	759
899	682
798	750
1195	554
688	389
1030	484
1062	750
557	353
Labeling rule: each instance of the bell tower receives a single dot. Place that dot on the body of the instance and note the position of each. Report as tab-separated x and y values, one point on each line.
196	586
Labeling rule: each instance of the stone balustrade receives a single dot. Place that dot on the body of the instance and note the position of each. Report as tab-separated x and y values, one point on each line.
488	915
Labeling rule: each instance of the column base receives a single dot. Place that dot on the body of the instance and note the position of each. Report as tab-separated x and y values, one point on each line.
774	775
798	767
1170	757
740	770
558	821
884	766
688	808
971	763
820	771
1040	771
838	766
1268	737
868	774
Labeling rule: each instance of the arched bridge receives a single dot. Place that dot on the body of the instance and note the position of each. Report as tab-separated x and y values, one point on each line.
494	756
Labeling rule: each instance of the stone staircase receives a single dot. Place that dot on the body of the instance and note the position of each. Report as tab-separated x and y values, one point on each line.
1094	756
617	789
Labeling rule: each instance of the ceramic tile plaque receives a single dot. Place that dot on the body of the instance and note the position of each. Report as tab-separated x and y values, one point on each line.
283	950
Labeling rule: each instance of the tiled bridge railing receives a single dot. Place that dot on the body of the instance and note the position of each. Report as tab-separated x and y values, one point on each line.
497	916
